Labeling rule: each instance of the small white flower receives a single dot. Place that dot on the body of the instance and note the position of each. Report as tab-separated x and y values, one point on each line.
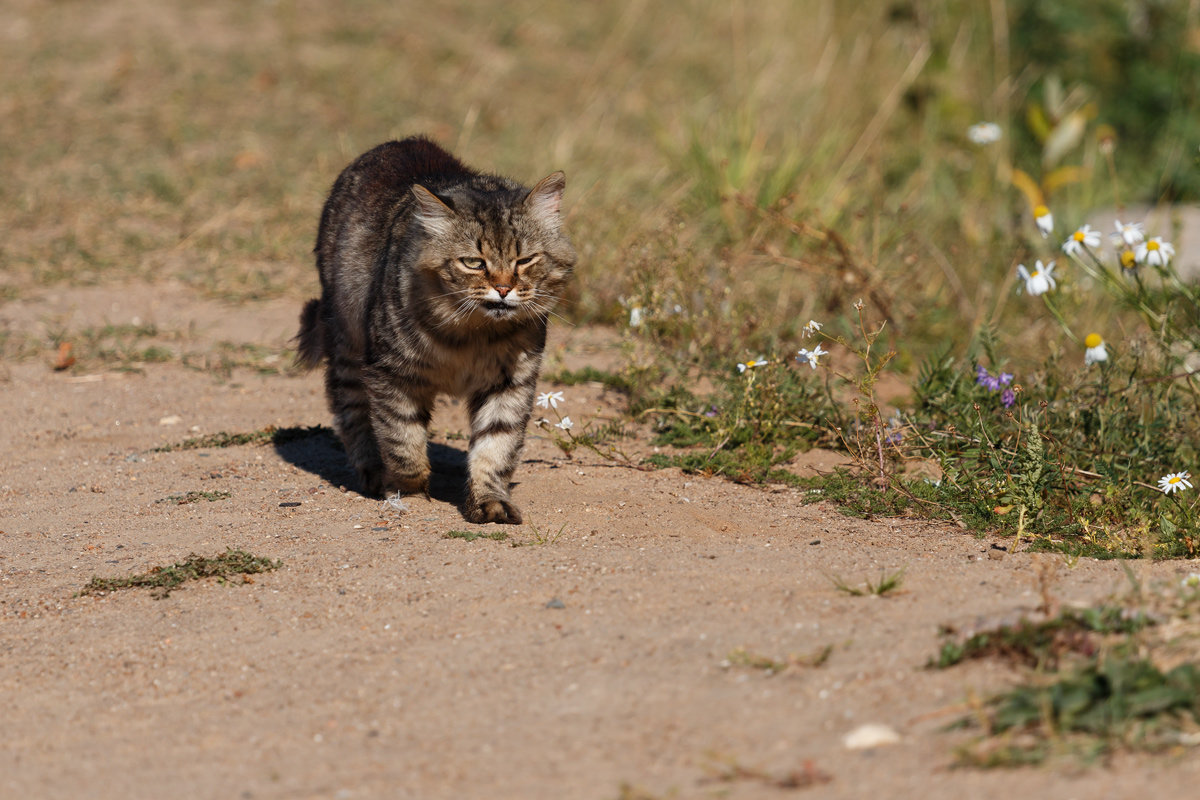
565	424
1084	237
1155	252
984	133
1096	351
1129	234
1192	581
1040	281
1174	481
635	317
1044	220
550	399
811	357
858	304
758	362
812	327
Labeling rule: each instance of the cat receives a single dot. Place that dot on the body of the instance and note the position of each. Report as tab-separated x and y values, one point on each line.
435	279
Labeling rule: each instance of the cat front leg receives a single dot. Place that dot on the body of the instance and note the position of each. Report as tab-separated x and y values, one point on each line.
498	421
400	421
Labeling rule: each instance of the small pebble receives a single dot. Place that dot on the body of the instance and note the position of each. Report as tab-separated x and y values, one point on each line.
873	734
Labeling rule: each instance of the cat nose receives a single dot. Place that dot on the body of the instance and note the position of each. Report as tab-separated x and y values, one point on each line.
502	290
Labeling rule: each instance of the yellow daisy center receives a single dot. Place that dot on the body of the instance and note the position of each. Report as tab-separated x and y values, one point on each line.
1174	479
1093	340
1040	211
1152	245
1127	258
1078	236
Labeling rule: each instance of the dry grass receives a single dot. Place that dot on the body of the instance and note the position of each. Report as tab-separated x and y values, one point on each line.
148	140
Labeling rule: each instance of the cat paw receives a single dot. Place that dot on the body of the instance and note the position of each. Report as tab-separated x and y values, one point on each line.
371	481
410	484
493	510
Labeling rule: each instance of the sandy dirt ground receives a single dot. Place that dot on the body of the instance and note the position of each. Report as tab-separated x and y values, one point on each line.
586	656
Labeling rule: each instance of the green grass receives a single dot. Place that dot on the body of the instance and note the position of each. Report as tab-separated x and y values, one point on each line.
888	583
165	580
1042	644
1122	702
269	434
1093	683
220	440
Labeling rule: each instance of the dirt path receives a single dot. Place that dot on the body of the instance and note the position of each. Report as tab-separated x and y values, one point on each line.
387	660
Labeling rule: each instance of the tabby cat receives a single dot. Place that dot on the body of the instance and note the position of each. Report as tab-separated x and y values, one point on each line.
435	279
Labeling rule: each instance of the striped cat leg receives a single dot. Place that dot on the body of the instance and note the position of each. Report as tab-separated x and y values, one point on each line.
351	419
400	414
498	421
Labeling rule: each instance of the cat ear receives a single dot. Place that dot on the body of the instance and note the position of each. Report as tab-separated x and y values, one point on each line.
431	212
544	200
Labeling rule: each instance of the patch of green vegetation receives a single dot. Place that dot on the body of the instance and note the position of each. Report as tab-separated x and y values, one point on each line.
221	439
195	497
281	436
612	380
887	583
1042	644
741	657
470	536
166	579
271	434
224	357
1117	702
1095	686
750	464
122	348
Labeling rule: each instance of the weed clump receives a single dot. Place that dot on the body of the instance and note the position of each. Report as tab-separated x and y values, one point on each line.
167	579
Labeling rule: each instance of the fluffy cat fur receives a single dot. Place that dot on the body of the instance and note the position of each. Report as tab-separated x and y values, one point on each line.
435	279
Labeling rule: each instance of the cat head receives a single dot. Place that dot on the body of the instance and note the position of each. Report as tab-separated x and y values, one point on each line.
497	250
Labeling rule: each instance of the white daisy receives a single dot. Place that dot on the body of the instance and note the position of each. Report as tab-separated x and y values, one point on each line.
1155	252
1192	581
1043	219
1129	234
1174	481
565	424
1096	351
550	399
1084	237
811	357
758	362
1040	281
812	327
984	133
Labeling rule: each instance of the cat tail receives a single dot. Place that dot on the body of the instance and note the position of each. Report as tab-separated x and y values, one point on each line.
310	340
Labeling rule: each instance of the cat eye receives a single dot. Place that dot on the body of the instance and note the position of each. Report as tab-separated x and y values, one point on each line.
525	261
473	263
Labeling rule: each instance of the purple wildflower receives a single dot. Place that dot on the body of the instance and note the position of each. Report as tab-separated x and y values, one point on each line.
992	383
981	375
1008	398
1006	378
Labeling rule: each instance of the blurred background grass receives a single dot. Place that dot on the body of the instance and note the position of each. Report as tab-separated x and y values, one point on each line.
734	168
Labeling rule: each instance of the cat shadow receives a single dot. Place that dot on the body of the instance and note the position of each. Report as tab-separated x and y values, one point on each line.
317	450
